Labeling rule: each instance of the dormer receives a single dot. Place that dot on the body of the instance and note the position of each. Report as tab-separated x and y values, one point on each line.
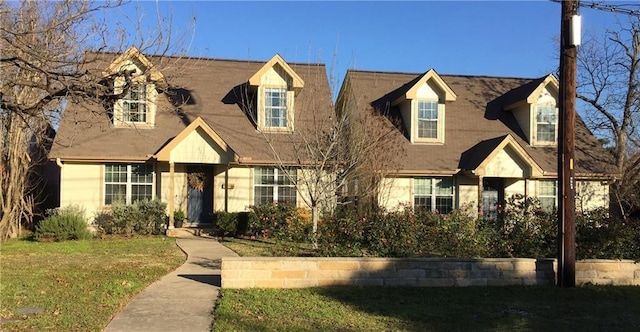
276	86
422	108
136	79
536	110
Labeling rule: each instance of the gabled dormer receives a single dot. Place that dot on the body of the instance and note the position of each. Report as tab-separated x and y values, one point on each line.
134	78
276	86
536	110
423	108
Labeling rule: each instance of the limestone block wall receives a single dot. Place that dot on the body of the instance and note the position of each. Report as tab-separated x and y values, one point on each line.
297	272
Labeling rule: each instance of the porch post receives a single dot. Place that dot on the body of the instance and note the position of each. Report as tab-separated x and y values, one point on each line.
480	189
171	193
226	188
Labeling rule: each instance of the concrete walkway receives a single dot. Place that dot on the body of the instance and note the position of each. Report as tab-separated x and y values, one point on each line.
184	299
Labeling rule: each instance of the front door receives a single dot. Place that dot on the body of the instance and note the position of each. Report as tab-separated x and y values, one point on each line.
199	194
492	197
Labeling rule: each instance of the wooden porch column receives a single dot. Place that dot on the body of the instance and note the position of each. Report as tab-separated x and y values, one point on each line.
172	198
226	188
480	189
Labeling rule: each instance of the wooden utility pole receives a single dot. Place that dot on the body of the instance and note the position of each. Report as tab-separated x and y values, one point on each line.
569	38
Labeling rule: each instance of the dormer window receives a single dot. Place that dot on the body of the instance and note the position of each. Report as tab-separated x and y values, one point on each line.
135	79
275	108
546	121
428	119
422	107
134	104
276	86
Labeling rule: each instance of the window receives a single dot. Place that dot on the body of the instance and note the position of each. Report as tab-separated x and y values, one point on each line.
275	108
275	185
428	119
134	104
546	124
127	183
435	194
547	193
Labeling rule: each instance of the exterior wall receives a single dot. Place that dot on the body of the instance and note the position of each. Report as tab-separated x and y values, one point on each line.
81	184
240	188
163	178
198	147
299	272
591	195
394	191
506	164
467	193
514	186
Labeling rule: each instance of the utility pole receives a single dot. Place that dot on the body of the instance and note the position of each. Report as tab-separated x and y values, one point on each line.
569	39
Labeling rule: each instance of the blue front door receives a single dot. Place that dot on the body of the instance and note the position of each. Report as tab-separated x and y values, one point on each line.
199	194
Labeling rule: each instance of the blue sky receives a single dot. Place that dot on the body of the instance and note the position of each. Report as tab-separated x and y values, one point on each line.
498	38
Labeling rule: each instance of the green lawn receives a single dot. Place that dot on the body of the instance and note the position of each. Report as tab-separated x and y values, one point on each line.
430	309
79	284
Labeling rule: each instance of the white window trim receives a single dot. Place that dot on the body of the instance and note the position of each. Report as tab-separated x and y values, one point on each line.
433	196
128	185
555	194
150	97
262	109
275	185
440	122
535	125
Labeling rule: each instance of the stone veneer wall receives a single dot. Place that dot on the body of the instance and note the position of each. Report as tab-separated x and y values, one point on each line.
296	272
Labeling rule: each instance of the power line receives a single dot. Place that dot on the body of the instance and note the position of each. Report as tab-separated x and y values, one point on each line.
621	8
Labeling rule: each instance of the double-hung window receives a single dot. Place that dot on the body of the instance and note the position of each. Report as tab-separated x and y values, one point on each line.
547	193
546	124
127	183
435	194
427	119
134	104
275	185
275	108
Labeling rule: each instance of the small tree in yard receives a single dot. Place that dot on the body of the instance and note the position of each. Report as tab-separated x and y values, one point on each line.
43	67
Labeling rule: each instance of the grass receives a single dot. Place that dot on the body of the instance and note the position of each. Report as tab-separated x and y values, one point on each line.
430	309
79	284
266	247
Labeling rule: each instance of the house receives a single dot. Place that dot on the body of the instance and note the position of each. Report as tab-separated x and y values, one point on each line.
203	135
474	140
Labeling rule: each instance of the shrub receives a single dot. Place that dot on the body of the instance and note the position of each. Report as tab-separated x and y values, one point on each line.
143	217
280	222
598	235
342	234
226	222
61	224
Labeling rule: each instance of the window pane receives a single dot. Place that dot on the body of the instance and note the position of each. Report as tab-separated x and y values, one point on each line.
287	195
427	129
263	195
444	204
275	107
546	123
141	173
141	192
444	186
422	186
114	193
263	175
422	202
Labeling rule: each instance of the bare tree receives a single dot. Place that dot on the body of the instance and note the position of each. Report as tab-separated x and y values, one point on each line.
609	83
43	67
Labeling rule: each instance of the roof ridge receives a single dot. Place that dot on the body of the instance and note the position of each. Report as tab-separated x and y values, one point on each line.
442	75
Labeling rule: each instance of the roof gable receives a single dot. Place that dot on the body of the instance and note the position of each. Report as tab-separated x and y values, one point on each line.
277	60
197	143
503	152
134	57
529	93
430	76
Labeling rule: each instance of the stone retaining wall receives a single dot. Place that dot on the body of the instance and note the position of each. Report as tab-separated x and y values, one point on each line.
296	272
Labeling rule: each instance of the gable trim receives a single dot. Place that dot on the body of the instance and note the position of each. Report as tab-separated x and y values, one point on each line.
134	53
298	83
449	95
164	153
536	170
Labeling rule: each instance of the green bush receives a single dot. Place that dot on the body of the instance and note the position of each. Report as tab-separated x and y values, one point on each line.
226	222
598	235
280	222
342	234
142	217
65	223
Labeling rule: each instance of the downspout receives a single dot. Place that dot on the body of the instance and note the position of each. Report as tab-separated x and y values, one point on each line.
226	189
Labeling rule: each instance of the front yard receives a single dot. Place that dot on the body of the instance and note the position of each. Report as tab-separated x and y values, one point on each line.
78	285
